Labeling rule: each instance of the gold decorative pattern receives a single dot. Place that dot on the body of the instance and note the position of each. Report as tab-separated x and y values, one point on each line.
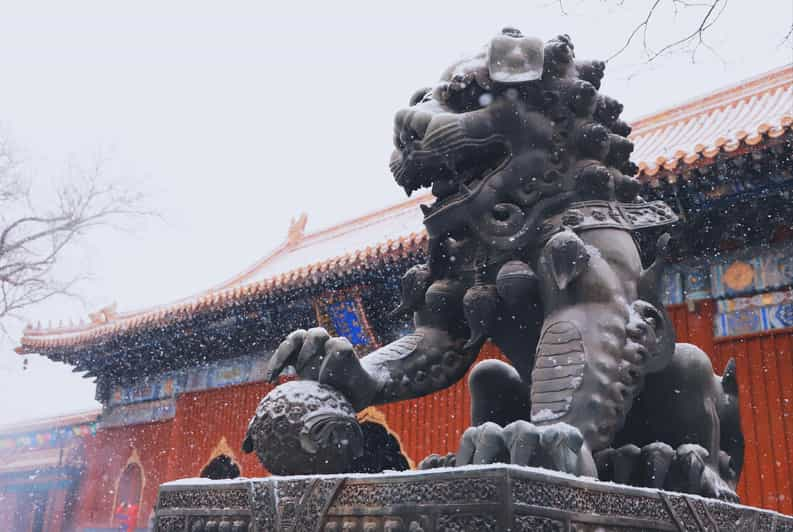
739	275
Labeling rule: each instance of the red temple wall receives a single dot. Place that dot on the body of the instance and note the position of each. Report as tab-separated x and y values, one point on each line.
182	446
765	379
764	363
204	418
107	455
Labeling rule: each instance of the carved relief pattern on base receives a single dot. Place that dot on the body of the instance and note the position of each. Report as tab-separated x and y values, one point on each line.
199	498
496	498
464	523
383	493
533	523
263	505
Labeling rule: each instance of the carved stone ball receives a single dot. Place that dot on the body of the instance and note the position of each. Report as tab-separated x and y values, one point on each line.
304	428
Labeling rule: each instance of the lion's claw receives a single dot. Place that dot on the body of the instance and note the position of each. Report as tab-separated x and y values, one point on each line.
483	444
317	356
647	467
691	473
559	447
659	466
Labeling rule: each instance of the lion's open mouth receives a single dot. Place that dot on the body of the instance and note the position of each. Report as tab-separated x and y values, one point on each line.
453	166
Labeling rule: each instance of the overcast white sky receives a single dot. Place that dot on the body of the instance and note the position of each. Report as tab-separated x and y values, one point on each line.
236	116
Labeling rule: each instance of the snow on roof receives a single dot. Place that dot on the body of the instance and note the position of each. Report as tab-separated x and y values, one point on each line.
383	227
723	120
740	115
396	231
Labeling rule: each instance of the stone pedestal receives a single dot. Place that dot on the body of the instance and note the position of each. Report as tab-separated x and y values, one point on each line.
485	498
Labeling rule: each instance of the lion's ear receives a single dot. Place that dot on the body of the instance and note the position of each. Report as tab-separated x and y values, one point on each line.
729	380
418	96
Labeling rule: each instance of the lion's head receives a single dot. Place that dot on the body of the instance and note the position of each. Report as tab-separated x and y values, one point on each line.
509	134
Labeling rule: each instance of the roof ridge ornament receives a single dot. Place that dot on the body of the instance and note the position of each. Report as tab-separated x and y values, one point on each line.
105	314
297	229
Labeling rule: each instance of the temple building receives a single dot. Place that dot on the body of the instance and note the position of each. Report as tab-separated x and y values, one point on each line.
179	382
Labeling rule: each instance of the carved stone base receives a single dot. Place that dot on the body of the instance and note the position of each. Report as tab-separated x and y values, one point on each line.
485	498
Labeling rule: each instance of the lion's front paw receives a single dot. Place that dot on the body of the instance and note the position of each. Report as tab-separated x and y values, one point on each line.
658	465
559	447
691	473
647	467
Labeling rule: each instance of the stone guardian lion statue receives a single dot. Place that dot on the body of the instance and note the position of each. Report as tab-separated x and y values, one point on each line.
531	245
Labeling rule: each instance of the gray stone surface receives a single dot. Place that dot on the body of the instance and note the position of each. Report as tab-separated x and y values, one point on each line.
484	498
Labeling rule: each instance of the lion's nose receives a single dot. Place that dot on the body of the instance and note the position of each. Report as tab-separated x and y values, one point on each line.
410	125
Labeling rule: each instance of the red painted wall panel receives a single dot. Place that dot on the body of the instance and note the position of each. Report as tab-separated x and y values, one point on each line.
204	418
765	380
107	454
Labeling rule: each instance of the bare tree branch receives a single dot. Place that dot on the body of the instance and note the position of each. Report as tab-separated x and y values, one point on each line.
642	25
707	21
787	37
712	12
33	240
